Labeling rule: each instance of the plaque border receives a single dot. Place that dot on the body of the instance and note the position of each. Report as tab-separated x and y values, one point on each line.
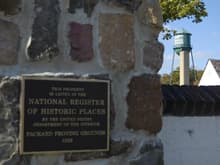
21	110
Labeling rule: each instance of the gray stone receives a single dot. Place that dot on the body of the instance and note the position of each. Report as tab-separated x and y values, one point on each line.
116	148
4	122
153	55
10	7
131	5
99	76
6	150
150	153
9	41
119	147
87	5
18	160
7	147
154	157
9	103
151	145
9	119
45	30
10	90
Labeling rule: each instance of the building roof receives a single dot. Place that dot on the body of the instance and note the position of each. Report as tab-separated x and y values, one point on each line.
216	64
191	100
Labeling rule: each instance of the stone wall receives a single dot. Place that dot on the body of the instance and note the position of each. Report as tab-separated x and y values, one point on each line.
99	39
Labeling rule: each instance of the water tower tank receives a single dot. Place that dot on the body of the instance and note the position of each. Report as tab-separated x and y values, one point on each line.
182	41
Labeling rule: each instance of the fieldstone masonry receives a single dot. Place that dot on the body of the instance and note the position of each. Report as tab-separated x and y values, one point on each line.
115	29
87	5
81	42
44	30
100	39
144	103
9	117
153	55
10	7
9	39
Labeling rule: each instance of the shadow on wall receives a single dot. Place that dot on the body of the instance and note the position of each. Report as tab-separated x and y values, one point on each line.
191	100
10	7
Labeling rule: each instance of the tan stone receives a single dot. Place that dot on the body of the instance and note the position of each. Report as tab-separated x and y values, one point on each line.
117	41
153	55
150	17
149	13
9	37
144	103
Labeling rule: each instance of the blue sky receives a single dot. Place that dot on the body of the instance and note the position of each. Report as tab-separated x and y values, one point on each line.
205	38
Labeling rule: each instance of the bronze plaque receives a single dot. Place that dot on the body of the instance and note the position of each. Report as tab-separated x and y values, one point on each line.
64	115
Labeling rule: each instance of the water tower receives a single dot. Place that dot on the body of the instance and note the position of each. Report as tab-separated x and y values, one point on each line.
182	47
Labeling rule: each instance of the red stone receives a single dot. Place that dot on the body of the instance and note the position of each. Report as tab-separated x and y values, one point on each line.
144	103
80	36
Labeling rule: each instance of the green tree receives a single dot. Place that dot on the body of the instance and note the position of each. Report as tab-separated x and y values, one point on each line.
173	78
173	10
165	79
198	76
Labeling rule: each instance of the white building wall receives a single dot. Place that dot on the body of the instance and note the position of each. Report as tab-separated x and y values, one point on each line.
210	76
191	140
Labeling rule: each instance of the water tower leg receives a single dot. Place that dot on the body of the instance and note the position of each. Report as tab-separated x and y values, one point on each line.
184	68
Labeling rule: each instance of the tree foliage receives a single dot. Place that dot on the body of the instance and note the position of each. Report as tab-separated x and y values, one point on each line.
173	10
173	78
